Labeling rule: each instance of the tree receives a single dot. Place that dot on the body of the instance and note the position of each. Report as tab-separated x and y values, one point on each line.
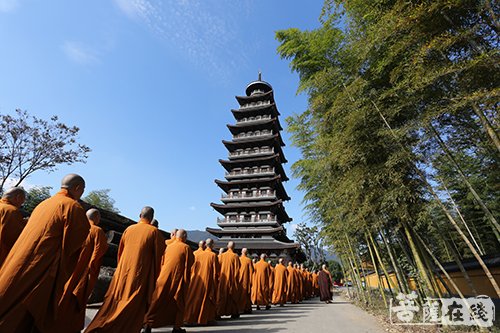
311	242
101	199
34	196
29	144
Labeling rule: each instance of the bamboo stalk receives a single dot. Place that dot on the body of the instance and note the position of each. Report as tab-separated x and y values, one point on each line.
380	281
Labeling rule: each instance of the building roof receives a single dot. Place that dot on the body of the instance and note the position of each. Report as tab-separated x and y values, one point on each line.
255	244
274	182
242	100
275	207
272	160
263	86
245	231
256	110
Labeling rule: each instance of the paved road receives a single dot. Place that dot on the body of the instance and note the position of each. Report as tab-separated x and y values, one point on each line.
308	317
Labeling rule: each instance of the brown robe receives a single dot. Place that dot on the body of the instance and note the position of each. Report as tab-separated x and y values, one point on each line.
271	282
202	295
260	285
280	284
246	274
169	298
11	225
129	293
77	290
315	284
325	284
228	295
40	263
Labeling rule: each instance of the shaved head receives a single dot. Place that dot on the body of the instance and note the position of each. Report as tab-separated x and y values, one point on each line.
221	250
263	256
181	234
290	263
147	213
230	245
173	233
75	184
154	223
15	195
209	243
201	244
280	260
94	215
244	251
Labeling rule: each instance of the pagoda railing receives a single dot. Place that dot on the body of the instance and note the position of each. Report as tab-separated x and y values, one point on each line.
227	220
255	104
252	135
268	194
251	153
254	119
250	172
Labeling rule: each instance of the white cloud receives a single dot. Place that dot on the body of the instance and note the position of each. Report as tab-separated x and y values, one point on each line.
79	53
192	208
8	5
204	33
10	182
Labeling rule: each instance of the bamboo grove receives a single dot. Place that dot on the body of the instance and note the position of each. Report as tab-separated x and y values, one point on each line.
400	146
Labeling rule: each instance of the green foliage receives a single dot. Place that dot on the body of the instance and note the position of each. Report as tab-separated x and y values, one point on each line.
379	76
34	196
101	199
336	270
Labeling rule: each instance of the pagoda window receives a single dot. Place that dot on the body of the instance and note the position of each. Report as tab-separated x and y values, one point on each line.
257	133
258	117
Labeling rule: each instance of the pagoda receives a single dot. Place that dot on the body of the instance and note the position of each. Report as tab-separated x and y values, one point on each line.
252	203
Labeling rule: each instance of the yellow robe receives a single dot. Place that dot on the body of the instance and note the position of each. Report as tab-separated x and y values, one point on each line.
246	275
228	295
202	294
280	284
40	263
73	304
129	293
11	225
260	284
169	298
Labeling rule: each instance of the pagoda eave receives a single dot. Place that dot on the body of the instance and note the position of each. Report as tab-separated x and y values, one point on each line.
245	231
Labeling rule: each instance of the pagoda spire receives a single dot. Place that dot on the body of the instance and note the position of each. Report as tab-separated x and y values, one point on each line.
260	75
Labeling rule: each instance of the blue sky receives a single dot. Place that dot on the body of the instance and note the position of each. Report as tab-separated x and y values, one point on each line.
150	84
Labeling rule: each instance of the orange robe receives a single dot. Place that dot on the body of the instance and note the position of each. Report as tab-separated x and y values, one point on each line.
79	287
169	298
11	225
260	285
291	285
246	274
315	284
130	290
202	295
40	263
280	284
228	295
271	282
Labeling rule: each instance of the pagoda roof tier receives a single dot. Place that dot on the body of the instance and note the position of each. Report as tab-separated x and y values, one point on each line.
276	207
251	141
245	231
273	182
256	110
269	124
267	96
253	244
248	224
273	161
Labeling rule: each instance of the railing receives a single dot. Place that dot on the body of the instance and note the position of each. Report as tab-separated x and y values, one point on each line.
255	104
248	196
250	172
252	135
254	119
251	153
226	220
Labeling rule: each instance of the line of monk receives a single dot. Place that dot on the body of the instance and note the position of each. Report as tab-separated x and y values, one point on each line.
50	263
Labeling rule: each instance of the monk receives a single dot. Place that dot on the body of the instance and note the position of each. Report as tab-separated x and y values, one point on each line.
169	298
246	274
201	248
172	237
202	295
11	219
315	284
228	295
34	273
292	284
129	293
71	318
260	285
325	285
271	280
280	283
300	284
